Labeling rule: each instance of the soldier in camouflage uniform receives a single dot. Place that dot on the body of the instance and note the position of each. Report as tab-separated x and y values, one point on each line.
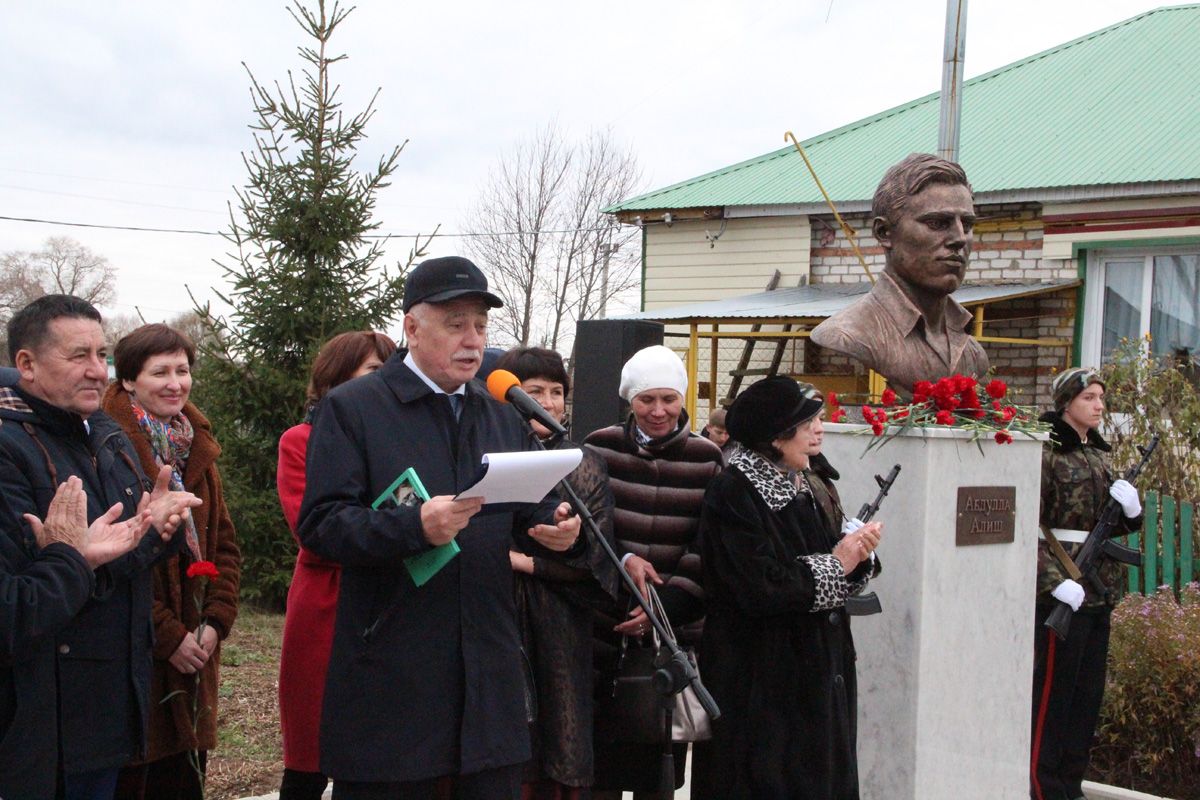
1068	678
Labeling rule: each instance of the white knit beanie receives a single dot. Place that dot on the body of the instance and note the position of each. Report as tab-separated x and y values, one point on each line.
654	367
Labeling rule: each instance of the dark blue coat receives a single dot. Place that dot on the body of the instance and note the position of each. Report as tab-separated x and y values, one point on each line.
39	595
103	652
422	681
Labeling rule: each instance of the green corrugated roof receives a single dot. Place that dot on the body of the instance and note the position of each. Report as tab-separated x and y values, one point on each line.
1121	105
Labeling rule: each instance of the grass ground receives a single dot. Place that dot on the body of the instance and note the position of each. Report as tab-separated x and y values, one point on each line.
249	756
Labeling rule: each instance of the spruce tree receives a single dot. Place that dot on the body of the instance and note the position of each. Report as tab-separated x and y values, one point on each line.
305	268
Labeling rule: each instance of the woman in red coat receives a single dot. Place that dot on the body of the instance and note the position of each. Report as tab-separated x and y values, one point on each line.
312	598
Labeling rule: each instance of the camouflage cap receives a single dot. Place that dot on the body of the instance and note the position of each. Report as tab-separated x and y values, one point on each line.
1067	385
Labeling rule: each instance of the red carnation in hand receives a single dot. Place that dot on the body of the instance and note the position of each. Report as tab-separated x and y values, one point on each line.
877	428
202	569
944	418
1003	437
996	388
888	397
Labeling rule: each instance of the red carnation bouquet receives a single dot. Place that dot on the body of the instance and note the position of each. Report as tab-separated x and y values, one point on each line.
957	401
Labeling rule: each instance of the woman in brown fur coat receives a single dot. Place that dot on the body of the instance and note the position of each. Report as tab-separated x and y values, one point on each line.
150	401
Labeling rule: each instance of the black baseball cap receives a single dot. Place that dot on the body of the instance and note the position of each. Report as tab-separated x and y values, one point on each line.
437	280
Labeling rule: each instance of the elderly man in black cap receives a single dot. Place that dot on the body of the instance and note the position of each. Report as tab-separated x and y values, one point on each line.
426	685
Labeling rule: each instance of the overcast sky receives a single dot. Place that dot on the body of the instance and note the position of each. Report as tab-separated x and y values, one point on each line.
134	113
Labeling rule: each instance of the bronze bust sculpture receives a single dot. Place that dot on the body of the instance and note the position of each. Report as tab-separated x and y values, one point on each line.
908	328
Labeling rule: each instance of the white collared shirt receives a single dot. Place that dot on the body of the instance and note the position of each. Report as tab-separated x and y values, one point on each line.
412	364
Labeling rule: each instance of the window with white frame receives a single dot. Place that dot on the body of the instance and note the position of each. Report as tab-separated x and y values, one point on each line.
1132	293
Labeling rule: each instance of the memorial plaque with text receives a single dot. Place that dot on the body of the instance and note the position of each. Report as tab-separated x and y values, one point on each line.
986	515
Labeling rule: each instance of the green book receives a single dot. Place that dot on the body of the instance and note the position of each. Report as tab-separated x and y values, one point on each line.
407	491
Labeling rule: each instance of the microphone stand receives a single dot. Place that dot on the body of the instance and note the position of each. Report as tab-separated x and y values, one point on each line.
676	672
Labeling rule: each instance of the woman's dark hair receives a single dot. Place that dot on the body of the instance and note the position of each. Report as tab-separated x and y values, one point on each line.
536	362
341	357
29	327
134	349
769	451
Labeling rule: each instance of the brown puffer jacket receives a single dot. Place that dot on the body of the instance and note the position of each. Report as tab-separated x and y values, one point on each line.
658	489
174	612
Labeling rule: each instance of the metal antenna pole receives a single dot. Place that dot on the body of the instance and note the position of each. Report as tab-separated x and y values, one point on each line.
953	56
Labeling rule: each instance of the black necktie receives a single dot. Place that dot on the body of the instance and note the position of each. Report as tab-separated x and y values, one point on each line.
456	405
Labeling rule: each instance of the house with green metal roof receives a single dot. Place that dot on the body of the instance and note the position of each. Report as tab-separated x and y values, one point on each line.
1085	165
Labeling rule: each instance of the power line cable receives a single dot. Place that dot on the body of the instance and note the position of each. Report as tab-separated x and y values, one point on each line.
463	235
109	199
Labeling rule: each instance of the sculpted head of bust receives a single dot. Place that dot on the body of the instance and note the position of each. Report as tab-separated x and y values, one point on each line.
908	328
924	216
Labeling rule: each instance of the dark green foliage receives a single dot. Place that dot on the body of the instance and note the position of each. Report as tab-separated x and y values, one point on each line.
304	270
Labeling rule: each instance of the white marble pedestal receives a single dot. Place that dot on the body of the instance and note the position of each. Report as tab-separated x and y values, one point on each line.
945	672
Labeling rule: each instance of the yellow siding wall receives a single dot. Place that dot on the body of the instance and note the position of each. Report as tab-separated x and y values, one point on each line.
682	268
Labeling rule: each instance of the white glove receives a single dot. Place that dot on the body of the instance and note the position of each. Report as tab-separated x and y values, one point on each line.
851	525
1070	593
1123	492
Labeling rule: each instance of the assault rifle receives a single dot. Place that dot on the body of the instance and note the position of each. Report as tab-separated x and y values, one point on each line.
865	604
1085	566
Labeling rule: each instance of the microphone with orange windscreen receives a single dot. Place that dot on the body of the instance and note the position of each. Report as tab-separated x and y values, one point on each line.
506	387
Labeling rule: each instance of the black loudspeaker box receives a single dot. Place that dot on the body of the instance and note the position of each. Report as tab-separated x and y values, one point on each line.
602	346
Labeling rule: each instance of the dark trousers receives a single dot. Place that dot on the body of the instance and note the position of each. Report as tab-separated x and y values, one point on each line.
502	783
1068	688
171	778
95	785
297	785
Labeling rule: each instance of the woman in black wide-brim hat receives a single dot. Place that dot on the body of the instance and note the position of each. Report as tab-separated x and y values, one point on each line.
776	652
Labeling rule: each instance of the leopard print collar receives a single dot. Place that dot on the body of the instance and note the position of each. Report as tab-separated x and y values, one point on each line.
772	485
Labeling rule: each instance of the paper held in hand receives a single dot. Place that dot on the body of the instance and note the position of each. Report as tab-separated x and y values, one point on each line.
524	477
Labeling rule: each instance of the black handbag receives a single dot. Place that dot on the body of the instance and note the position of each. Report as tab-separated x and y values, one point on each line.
630	710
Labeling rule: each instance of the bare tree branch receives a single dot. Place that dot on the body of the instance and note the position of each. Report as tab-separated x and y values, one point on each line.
547	257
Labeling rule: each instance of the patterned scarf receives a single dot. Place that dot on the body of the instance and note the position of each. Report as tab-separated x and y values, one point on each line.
171	443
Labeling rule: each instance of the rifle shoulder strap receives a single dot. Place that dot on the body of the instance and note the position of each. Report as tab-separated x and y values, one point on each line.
1060	554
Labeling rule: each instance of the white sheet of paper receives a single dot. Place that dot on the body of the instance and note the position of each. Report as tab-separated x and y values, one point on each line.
525	477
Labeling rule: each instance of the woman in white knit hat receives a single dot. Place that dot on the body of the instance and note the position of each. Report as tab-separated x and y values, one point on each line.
658	470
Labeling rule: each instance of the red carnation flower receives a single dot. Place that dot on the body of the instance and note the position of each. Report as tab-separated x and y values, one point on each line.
832	399
944	418
867	413
1003	437
881	416
968	400
996	404
202	569
1008	413
888	397
877	428
900	413
921	391
996	388
947	402
964	383
838	415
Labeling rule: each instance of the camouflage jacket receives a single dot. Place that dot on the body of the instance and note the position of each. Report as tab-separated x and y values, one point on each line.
1076	477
